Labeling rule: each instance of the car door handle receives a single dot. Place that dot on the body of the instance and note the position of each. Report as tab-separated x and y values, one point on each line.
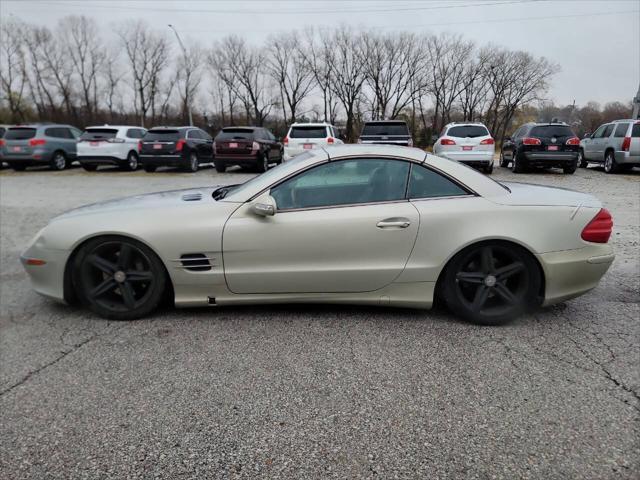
394	223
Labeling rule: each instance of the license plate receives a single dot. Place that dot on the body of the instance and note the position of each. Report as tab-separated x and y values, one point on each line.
233	145
157	146
308	146
552	147
94	144
467	148
16	149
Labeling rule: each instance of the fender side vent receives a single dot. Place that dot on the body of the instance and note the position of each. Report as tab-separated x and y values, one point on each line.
196	262
192	197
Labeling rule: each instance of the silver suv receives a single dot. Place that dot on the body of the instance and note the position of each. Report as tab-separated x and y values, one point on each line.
615	144
40	144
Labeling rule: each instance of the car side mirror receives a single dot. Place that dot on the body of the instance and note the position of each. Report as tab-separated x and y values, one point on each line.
264	206
586	135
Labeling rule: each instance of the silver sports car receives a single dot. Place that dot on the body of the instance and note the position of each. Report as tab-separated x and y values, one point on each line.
374	225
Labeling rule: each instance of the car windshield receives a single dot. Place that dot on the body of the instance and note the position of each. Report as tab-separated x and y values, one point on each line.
386	128
98	133
470	131
236	134
161	135
20	133
282	170
308	132
548	131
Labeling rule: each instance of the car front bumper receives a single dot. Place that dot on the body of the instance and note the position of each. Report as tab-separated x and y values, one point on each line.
47	279
570	273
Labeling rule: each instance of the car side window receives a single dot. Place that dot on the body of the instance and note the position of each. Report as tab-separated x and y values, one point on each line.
599	131
57	132
134	133
270	136
425	183
621	130
608	130
344	182
518	133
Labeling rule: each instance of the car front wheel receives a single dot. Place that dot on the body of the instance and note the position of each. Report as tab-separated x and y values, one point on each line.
582	162
491	283
118	278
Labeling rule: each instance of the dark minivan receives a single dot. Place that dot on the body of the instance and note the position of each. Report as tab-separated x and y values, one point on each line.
182	147
541	145
248	147
386	132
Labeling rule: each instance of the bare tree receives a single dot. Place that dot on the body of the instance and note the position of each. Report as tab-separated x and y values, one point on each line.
147	52
13	69
320	62
189	76
475	85
288	66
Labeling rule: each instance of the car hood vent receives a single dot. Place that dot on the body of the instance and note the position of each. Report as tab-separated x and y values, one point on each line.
196	262
192	197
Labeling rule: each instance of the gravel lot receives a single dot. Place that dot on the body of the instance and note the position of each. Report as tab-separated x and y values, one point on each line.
308	391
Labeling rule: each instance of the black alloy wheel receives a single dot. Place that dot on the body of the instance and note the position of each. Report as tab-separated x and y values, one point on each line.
118	278
491	283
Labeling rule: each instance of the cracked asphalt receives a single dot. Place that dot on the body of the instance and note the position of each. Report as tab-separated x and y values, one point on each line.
308	391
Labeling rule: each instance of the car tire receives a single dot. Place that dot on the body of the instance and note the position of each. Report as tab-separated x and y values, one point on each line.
570	168
610	165
262	162
118	278
149	168
503	162
488	169
18	167
89	167
491	283
518	165
582	162
58	161
193	163
221	167
131	163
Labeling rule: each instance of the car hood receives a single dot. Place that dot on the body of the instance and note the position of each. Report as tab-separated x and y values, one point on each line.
537	195
173	198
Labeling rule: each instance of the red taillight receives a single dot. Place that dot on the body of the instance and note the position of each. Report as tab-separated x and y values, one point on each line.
285	141
573	141
179	144
531	141
447	141
488	141
1	142
599	229
34	142
139	146
410	142
626	144
330	140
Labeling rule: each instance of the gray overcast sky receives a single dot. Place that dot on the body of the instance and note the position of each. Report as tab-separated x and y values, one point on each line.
597	42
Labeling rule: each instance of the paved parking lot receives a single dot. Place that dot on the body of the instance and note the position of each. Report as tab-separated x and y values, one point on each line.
308	391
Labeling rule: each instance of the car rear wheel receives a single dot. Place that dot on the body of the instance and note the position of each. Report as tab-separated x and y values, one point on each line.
518	165
570	168
193	164
610	165
149	168
582	162
89	168
118	278
488	169
263	162
59	161
131	164
18	167
491	283
221	167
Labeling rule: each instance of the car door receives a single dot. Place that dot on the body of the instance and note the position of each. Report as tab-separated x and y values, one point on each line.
509	146
342	226
594	148
274	145
207	144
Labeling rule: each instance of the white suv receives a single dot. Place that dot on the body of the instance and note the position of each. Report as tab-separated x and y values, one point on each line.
110	145
305	136
468	143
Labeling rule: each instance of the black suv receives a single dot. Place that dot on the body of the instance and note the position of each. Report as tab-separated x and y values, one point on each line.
183	147
248	147
386	132
541	145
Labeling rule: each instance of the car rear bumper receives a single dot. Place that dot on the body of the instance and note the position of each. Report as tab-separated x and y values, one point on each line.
570	273
626	158
161	160
550	158
469	158
248	159
34	157
100	160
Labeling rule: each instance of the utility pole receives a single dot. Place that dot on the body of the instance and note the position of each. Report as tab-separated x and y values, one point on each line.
184	52
636	106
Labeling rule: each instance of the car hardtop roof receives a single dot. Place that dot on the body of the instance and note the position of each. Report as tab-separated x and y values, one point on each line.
241	127
464	123
40	124
625	120
543	124
311	124
385	121
106	125
167	127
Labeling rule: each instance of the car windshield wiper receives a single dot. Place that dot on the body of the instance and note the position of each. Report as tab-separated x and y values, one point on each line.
221	192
